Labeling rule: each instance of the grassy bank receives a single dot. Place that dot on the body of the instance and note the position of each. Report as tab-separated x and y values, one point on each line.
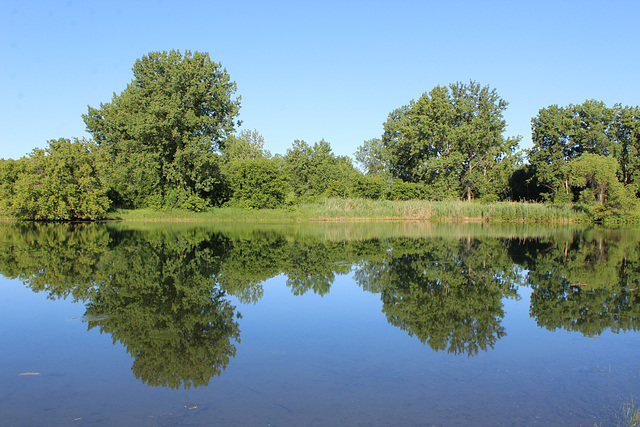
352	210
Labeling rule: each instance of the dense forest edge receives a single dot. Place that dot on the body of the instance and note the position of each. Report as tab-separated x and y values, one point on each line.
169	147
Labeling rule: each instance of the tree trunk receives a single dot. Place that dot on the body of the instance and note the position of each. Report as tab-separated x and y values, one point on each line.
601	195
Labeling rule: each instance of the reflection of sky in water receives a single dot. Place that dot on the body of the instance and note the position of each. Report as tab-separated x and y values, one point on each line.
309	359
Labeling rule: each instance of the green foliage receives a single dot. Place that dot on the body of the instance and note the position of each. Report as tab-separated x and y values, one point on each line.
256	183
401	190
315	170
344	175
451	140
249	144
61	182
10	171
195	204
563	134
373	157
161	133
369	186
627	148
599	175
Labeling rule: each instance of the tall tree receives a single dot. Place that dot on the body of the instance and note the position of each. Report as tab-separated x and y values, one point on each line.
552	150
452	139
627	129
562	134
161	133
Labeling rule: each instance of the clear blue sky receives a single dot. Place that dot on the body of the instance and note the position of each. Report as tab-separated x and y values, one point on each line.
315	69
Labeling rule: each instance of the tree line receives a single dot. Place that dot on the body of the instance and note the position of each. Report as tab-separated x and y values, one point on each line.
171	139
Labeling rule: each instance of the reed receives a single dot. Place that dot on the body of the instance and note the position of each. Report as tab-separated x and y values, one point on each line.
629	415
355	210
452	211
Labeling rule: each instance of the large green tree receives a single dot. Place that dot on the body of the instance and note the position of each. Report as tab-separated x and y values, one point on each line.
162	132
452	139
561	135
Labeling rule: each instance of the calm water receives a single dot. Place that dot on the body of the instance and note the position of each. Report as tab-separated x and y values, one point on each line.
367	324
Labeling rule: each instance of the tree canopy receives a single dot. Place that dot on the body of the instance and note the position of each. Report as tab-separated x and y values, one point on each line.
65	181
561	135
315	170
161	133
452	139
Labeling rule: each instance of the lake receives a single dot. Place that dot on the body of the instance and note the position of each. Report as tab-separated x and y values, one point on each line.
368	324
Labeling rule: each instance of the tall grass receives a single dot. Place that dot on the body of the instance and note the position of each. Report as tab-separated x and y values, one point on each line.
212	215
352	210
454	211
629	415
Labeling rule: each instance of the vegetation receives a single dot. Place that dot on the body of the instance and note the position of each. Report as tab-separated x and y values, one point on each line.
162	132
629	414
451	139
169	143
62	182
359	210
561	136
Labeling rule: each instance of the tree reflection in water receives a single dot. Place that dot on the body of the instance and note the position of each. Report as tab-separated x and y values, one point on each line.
163	293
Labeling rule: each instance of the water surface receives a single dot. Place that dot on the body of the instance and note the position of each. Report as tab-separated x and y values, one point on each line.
367	324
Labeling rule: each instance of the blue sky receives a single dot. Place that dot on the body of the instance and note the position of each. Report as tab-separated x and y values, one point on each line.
315	69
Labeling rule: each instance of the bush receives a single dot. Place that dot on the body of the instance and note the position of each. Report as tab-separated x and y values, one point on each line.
256	183
368	186
63	182
405	190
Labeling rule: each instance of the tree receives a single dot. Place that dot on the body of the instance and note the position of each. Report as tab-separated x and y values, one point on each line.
373	157
552	149
451	139
369	186
249	144
627	128
315	170
161	133
562	134
62	182
10	171
598	175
